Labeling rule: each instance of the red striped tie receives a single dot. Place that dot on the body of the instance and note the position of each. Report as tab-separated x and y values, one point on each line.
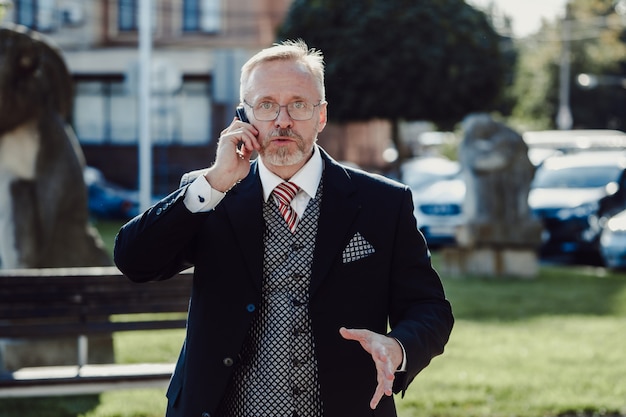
285	192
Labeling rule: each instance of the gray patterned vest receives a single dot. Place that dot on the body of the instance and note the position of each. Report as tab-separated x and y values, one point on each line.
277	374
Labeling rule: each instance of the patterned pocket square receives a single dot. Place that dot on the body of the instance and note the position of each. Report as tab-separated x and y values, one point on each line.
358	248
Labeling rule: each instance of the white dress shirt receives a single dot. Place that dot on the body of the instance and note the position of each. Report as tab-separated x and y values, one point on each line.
201	197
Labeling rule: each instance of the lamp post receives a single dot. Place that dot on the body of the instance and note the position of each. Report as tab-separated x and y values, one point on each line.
564	119
145	145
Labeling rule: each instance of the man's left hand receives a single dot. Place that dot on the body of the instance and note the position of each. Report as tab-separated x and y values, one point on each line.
386	353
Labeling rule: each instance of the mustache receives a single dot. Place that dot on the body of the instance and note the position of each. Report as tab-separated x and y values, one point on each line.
284	132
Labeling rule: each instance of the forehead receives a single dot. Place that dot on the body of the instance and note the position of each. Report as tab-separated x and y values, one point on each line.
281	80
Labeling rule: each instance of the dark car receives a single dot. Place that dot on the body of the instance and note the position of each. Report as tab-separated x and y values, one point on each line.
107	200
574	195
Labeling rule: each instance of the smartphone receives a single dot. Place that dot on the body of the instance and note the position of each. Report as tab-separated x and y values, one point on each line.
241	114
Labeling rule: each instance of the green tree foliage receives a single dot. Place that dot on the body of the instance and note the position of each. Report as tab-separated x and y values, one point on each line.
597	40
435	60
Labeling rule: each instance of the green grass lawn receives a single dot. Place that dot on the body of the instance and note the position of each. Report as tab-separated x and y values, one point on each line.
108	229
554	346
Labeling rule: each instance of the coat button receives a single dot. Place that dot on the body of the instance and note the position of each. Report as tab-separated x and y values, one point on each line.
228	362
205	414
250	308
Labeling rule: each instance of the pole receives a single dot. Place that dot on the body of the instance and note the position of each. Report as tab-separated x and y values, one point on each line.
564	116
145	147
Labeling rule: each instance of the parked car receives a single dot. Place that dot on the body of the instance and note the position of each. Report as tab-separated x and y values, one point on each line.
613	242
107	200
574	195
439	210
425	170
575	139
438	193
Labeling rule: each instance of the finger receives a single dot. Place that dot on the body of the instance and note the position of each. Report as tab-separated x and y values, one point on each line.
383	387
359	335
385	371
378	394
250	140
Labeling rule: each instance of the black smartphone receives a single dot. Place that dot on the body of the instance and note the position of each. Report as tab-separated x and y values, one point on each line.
241	114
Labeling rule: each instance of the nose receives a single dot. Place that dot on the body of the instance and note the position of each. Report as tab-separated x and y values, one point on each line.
283	119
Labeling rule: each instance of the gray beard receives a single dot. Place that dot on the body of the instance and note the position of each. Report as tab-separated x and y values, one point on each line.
283	157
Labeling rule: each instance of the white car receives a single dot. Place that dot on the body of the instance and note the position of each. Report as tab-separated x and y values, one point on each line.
438	193
439	210
425	170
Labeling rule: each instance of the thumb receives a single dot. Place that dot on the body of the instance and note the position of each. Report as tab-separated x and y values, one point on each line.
352	334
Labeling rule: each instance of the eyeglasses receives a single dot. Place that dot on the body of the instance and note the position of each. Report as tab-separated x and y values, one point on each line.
266	111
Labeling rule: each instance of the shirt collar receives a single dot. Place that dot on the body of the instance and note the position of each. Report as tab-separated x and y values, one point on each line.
307	178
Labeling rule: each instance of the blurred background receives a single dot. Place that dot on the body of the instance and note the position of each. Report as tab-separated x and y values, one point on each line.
155	81
401	77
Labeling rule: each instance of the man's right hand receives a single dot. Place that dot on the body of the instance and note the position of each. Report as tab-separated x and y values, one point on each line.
232	161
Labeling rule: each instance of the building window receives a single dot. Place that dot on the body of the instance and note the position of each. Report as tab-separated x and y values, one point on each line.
35	14
105	112
202	15
128	13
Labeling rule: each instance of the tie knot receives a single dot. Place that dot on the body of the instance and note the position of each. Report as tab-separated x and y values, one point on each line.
286	191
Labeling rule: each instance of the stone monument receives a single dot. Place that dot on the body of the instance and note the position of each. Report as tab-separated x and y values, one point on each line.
44	220
499	236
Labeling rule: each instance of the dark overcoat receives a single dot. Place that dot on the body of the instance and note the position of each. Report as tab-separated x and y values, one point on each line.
394	288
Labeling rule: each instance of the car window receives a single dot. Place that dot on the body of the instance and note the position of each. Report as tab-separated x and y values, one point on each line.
422	172
576	177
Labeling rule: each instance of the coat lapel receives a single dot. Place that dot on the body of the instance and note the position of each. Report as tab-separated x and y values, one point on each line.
244	207
337	213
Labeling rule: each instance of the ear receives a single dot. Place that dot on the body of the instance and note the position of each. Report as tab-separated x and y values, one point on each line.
322	116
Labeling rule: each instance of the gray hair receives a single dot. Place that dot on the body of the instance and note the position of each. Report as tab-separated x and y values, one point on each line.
289	50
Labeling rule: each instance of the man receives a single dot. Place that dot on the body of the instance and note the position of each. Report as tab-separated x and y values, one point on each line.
292	295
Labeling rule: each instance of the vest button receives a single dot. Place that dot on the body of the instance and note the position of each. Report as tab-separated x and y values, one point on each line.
250	308
297	303
205	414
228	362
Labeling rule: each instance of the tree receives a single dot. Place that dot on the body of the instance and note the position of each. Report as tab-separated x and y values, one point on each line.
434	60
597	38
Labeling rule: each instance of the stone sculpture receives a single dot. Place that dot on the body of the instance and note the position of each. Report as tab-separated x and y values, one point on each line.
43	199
499	235
44	220
497	173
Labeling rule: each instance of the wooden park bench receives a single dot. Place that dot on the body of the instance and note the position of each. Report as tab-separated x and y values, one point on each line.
78	302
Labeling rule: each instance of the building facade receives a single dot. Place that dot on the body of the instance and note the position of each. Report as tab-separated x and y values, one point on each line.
197	48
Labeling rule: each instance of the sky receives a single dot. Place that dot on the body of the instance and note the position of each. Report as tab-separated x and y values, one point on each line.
526	14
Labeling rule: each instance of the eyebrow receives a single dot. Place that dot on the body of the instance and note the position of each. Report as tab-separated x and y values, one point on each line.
269	98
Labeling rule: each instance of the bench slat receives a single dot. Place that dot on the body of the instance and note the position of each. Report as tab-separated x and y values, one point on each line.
90	379
49	303
68	329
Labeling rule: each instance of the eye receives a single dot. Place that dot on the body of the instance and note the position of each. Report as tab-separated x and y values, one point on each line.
299	105
265	105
